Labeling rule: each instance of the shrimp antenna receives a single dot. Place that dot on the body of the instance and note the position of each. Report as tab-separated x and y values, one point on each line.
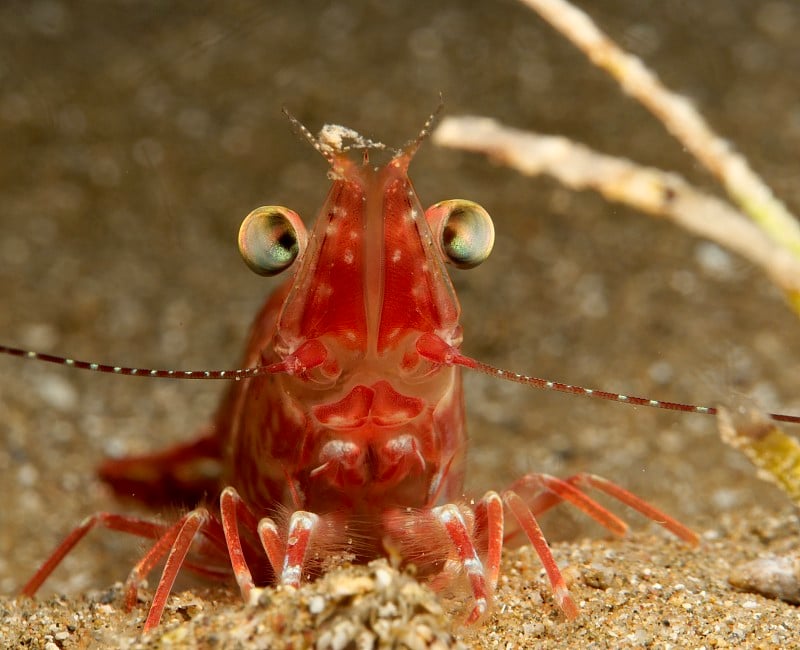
235	374
435	349
546	384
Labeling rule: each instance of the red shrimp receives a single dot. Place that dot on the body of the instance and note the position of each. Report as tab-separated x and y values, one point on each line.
344	428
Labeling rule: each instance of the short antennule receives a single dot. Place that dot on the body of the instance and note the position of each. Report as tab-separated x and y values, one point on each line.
411	147
334	140
235	374
302	130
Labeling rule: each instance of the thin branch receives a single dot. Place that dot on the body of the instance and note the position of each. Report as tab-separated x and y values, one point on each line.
678	115
646	188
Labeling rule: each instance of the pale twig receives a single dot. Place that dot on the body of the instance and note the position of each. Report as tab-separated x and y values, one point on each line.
652	190
679	117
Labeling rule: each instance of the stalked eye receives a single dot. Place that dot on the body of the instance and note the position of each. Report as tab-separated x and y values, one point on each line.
463	230
271	238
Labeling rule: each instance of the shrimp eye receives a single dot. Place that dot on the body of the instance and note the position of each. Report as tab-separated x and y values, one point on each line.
463	230
271	238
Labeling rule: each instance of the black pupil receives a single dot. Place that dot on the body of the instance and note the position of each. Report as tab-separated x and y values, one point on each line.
286	240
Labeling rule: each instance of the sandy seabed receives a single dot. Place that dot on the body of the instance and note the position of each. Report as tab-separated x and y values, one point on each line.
646	591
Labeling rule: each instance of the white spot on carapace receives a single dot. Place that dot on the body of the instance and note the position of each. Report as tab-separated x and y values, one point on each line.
332	228
338	211
350	335
354	234
349	256
396	255
324	290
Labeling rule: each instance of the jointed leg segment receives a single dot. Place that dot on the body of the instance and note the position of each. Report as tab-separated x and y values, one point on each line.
470	539
553	495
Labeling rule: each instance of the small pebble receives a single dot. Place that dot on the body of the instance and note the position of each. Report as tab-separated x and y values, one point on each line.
774	577
316	605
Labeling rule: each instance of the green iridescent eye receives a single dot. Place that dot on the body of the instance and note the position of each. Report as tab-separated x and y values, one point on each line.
465	231
271	238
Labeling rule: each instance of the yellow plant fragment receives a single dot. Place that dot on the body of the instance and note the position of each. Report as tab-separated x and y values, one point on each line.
794	300
774	453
